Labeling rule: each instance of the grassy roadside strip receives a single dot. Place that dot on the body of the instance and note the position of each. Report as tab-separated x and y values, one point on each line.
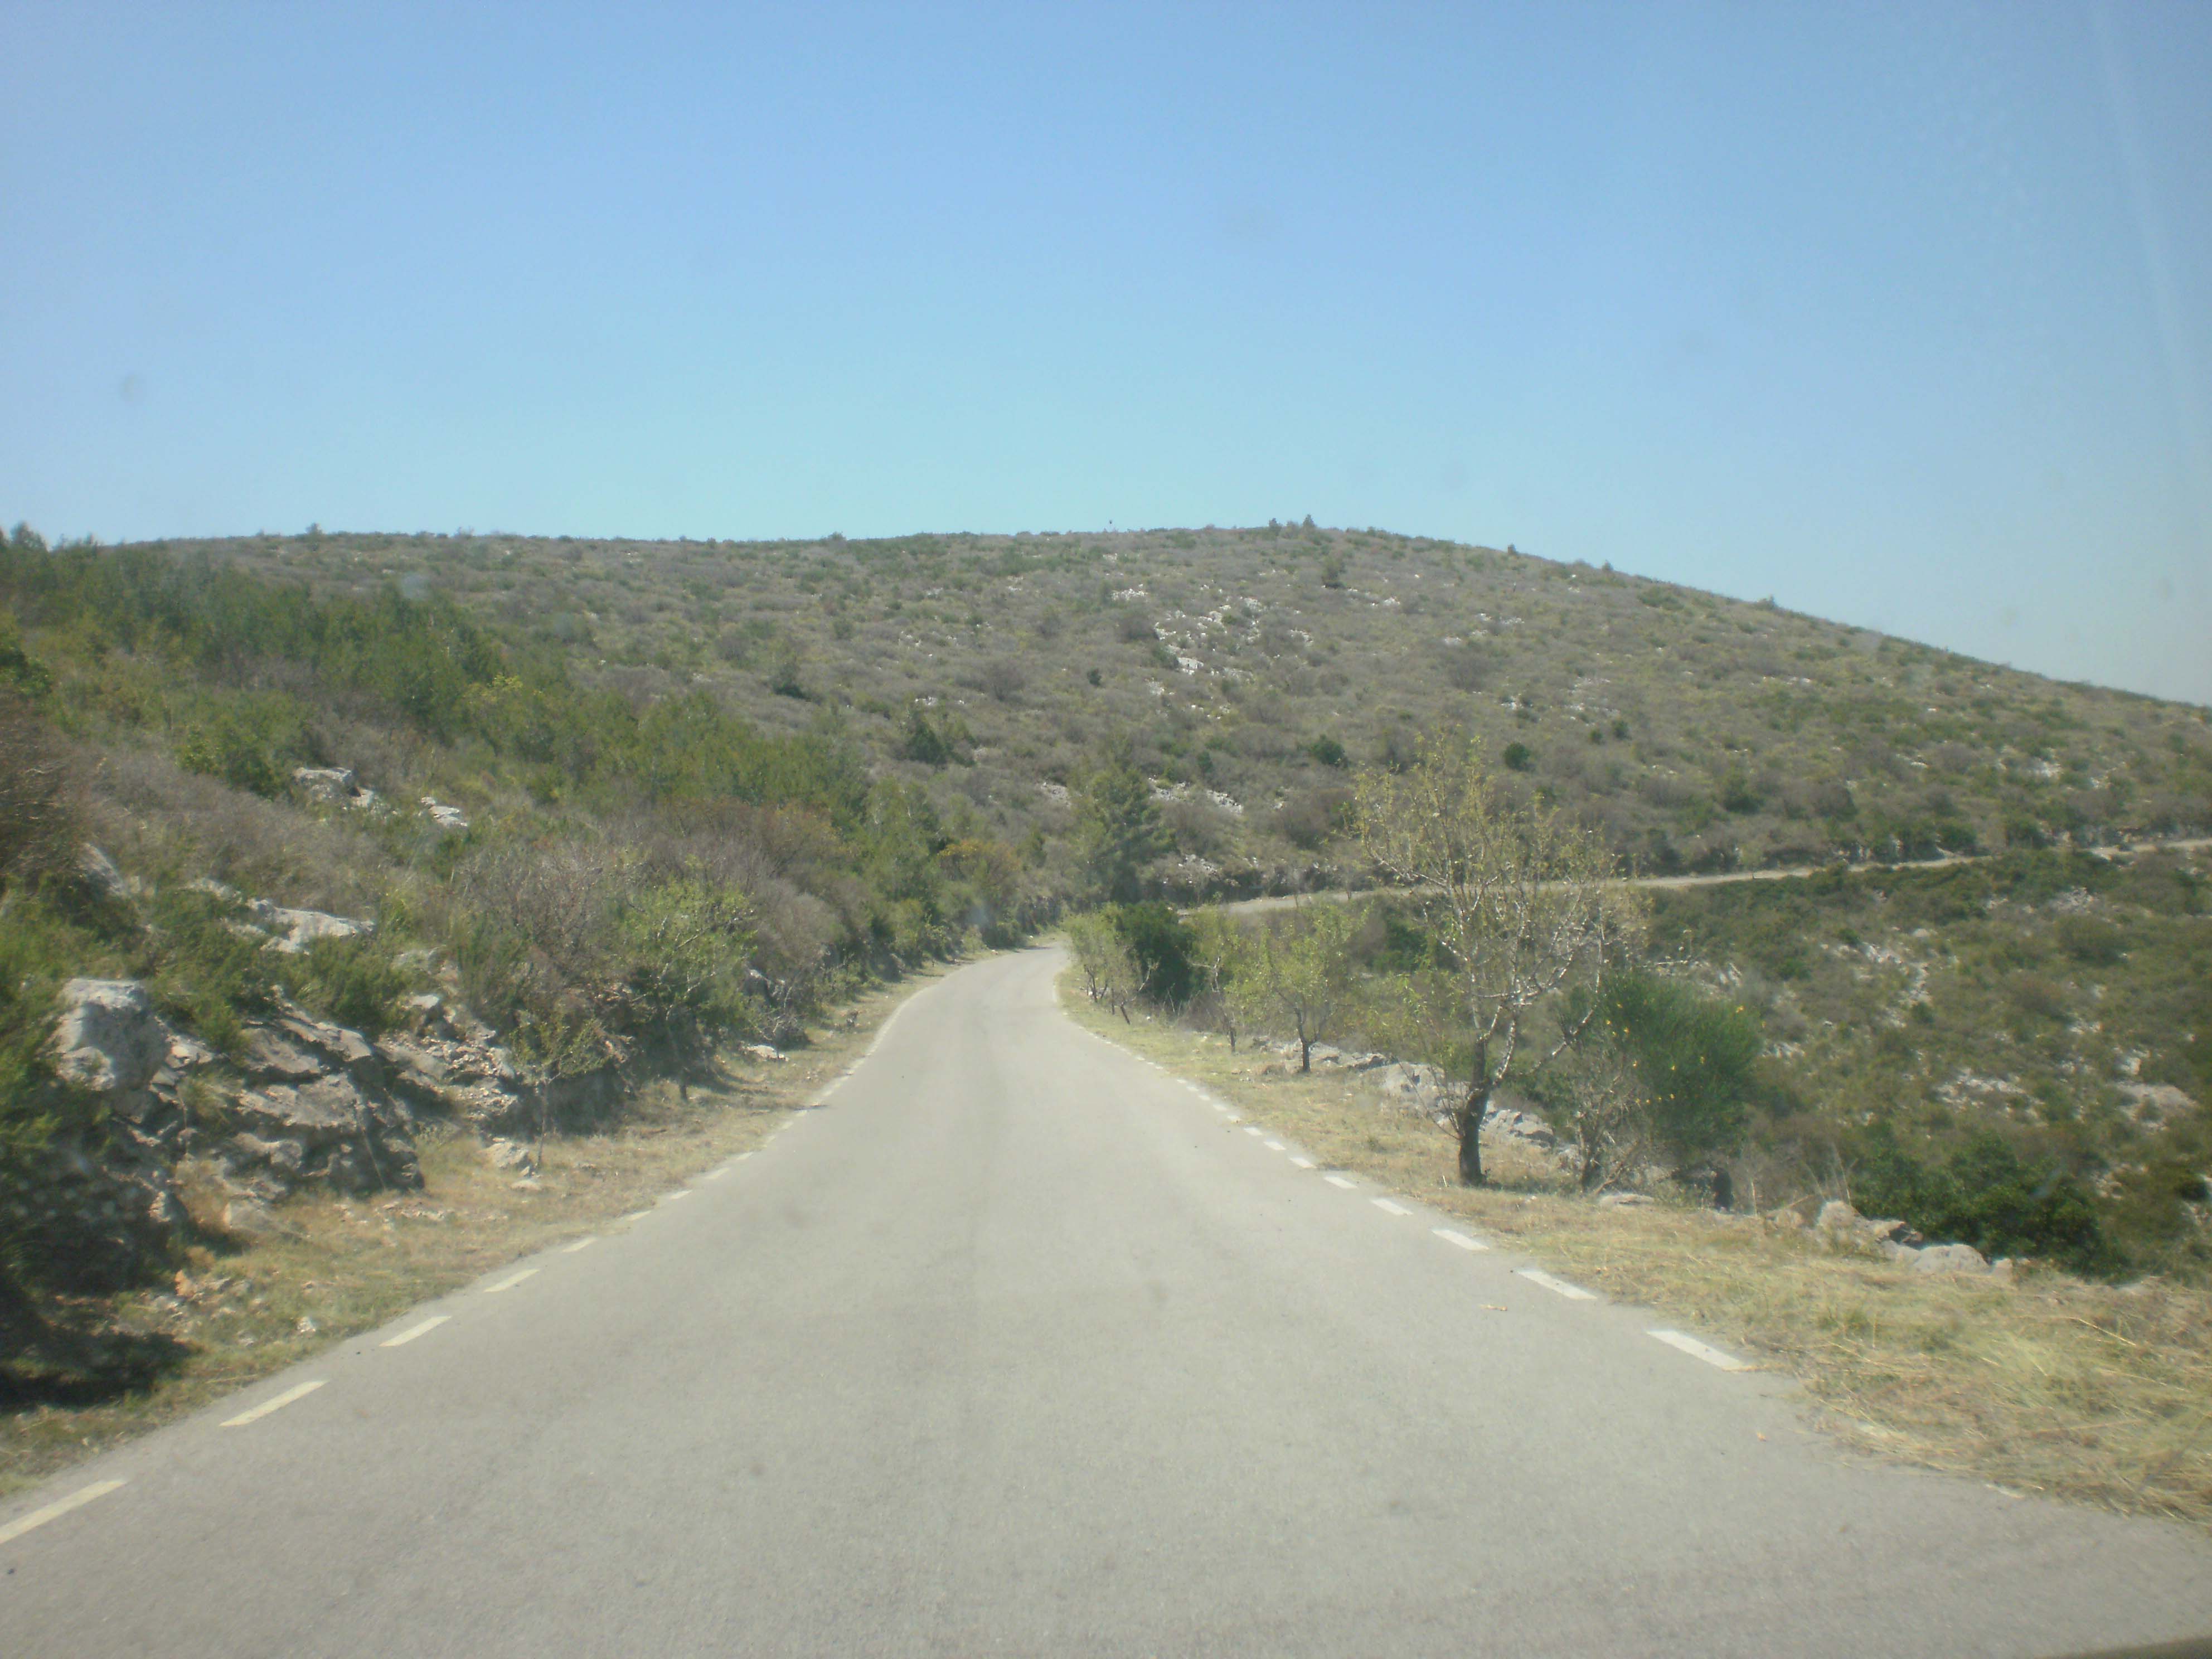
2049	1385
347	1265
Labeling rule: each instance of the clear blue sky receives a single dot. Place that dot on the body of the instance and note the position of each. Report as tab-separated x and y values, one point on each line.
1900	314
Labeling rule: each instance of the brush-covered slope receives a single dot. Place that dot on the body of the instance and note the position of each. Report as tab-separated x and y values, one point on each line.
1248	668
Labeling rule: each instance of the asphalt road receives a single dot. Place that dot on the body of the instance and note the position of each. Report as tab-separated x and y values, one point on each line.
1016	1345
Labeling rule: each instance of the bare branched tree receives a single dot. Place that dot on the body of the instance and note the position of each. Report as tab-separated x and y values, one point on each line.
1520	898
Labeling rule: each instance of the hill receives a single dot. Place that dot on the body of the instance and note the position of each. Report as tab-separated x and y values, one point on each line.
1245	669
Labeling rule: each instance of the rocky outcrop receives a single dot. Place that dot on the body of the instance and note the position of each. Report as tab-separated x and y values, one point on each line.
294	931
306	1102
333	786
1409	1086
1837	1226
452	1064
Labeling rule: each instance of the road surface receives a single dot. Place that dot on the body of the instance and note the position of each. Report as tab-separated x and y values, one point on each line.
1016	1345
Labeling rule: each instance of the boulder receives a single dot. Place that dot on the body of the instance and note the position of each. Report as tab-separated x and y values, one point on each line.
109	1039
1406	1087
1515	1123
1892	1232
445	820
326	783
1625	1200
294	931
1949	1259
1836	1217
99	874
503	1154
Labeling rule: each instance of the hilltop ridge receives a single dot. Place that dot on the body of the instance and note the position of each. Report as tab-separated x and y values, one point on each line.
1247	669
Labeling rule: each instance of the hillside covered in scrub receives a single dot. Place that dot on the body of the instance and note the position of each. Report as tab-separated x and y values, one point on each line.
308	841
1246	670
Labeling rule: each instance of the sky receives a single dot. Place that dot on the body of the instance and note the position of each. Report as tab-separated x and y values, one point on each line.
1899	315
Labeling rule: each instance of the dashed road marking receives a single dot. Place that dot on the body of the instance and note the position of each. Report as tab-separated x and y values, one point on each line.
741	1157
414	1331
1386	1205
1302	1162
1277	1146
716	1175
299	1391
581	1244
510	1281
1710	1355
1345	1181
1254	1130
681	1192
1451	1236
1557	1287
55	1511
637	1215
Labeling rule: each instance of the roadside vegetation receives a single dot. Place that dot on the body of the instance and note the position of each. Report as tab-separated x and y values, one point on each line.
1695	1097
2052	1384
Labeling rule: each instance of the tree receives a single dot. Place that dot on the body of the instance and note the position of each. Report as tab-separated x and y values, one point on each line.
1217	954
1109	971
1119	828
1298	967
1662	1069
1519	898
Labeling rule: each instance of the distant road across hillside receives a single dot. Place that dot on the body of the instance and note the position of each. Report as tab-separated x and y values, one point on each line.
2190	844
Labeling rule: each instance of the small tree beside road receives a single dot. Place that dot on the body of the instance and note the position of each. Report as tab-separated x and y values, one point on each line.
1298	969
1520	898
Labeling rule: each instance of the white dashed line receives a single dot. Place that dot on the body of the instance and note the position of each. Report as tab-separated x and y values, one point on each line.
510	1281
1341	1181
299	1392
637	1215
414	1331
1558	1286
1712	1356
1254	1130
1386	1205
581	1244
1302	1162
681	1192
741	1157
716	1175
1277	1146
55	1511
1450	1237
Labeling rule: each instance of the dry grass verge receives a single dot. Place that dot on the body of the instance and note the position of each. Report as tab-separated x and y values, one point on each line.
2049	1385
343	1266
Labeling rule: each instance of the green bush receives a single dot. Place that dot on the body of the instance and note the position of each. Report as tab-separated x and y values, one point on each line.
1161	944
1982	1194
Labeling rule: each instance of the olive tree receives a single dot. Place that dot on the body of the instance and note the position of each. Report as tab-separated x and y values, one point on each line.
1522	900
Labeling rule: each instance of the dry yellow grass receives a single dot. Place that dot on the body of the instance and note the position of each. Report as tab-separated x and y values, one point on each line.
344	1265
2050	1384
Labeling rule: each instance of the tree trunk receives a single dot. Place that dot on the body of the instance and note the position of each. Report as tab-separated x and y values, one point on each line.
1471	1115
1306	1053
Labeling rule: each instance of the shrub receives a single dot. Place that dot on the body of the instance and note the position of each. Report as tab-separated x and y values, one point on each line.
1519	757
1161	945
1983	1193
